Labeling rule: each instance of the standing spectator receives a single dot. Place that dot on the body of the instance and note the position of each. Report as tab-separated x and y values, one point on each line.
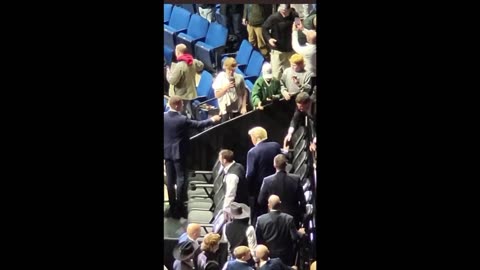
175	149
308	51
233	13
299	118
183	254
296	79
230	90
286	186
266	88
236	189
259	165
182	74
309	23
277	231
303	10
242	256
265	263
207	11
209	248
277	31
254	15
239	232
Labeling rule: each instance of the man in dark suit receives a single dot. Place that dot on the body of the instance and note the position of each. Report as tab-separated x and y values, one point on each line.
175	148
259	165
265	263
277	231
286	186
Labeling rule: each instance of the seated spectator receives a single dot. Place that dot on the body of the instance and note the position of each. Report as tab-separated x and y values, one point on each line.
277	231
239	232
286	186
254	15
242	256
191	235
308	51
304	103
231	91
209	248
296	79
183	254
207	11
266	88
236	189
265	263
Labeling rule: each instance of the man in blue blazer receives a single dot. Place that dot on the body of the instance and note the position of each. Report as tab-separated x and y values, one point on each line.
175	149
259	165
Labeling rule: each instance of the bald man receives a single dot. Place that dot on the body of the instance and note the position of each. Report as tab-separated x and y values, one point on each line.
277	231
182	74
265	263
192	234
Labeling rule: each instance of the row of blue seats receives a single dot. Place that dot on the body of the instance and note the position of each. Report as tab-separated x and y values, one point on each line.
203	39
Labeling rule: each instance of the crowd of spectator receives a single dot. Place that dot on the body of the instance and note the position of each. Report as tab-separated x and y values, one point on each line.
264	205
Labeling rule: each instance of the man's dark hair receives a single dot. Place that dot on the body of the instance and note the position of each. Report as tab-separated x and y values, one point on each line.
302	98
280	162
227	154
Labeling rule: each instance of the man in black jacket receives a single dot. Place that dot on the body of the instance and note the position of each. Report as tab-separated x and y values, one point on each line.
277	231
286	186
300	117
277	32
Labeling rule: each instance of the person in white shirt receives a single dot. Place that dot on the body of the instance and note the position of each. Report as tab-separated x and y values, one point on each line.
309	50
230	90
236	189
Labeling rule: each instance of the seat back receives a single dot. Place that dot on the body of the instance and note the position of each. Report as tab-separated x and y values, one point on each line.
179	18
167	11
244	52
249	85
189	7
205	84
216	35
254	67
197	27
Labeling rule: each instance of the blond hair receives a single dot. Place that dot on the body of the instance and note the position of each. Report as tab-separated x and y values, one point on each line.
258	133
241	251
296	59
230	63
210	241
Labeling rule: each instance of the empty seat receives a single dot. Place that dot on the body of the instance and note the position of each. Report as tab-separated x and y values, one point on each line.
254	66
167	11
178	23
168	54
243	54
196	31
209	51
249	85
190	7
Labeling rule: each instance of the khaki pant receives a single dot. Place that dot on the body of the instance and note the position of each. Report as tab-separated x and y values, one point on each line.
279	62
255	37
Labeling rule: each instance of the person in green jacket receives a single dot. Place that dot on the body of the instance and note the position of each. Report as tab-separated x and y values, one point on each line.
266	88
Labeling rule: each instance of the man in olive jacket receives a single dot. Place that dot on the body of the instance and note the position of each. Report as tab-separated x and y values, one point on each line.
182	74
266	88
254	15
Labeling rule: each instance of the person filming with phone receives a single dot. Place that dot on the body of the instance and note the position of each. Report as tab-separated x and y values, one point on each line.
296	79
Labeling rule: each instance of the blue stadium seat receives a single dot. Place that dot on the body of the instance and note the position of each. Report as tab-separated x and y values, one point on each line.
190	7
205	94
243	54
168	54
178	23
167	11
209	51
196	31
254	67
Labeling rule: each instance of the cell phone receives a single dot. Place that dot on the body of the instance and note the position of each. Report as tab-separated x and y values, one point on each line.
297	21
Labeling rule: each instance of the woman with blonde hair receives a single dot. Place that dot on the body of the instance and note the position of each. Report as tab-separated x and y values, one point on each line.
208	259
